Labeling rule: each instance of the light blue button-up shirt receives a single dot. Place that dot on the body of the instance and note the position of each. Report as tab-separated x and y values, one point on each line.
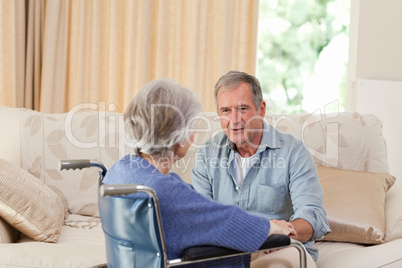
282	183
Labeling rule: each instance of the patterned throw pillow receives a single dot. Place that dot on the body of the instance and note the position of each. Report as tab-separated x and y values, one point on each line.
28	205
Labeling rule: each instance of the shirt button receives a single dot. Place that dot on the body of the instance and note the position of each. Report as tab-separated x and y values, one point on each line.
237	188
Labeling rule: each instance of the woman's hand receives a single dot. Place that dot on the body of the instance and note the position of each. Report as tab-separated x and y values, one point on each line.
282	227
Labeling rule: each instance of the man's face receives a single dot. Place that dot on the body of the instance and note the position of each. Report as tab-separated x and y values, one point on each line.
240	120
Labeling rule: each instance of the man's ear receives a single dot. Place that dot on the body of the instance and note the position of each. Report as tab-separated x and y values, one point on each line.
263	106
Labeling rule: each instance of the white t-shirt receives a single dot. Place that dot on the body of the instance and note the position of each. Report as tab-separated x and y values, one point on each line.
242	166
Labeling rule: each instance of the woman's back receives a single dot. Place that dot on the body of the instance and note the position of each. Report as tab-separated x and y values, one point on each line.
190	219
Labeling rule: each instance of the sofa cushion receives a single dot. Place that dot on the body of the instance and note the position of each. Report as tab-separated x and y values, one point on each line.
81	244
344	140
48	138
355	203
29	205
393	212
377	160
335	255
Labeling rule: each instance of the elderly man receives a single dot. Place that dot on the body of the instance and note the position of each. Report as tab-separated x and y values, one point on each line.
259	168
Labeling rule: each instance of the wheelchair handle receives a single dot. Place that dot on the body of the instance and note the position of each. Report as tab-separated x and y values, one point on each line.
82	163
74	164
125	189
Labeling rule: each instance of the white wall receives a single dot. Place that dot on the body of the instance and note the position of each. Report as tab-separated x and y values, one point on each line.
379	44
378	48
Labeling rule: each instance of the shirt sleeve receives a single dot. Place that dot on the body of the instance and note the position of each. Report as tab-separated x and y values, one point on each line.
199	175
306	192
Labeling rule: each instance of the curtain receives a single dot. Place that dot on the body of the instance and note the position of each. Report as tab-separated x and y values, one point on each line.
12	52
103	51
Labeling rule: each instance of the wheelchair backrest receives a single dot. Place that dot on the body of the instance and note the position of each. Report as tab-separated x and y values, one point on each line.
131	231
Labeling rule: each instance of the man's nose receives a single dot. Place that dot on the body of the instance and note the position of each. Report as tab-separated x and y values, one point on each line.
235	117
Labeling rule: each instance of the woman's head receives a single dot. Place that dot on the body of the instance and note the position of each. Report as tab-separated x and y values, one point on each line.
159	117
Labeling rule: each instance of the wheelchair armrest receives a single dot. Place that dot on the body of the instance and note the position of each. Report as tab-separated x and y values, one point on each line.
206	252
276	241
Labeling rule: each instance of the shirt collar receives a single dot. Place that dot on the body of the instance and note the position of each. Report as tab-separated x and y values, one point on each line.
270	139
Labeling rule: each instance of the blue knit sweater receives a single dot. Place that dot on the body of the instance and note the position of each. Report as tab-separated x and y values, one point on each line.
190	219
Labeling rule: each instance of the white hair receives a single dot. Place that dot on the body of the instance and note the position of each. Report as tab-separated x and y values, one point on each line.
159	117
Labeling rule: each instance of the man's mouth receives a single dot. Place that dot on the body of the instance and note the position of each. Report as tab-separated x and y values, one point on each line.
235	130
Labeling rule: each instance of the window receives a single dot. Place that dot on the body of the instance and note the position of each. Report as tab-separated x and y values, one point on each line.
303	54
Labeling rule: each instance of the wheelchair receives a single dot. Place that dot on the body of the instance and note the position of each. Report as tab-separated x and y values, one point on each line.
134	231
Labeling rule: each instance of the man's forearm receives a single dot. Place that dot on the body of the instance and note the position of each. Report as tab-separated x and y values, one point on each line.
304	230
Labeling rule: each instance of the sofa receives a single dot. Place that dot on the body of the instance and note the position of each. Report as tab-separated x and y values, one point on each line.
49	218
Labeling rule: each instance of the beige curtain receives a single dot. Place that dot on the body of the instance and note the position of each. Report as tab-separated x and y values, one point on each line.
12	52
103	51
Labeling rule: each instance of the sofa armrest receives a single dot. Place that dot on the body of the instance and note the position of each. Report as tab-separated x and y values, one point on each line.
393	212
7	233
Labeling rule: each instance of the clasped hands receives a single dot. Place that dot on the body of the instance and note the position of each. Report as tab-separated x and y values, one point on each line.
281	227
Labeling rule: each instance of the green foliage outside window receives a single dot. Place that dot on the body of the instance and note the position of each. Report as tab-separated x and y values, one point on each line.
302	42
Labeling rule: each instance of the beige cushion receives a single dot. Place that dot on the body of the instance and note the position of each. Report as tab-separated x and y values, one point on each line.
355	203
29	205
393	212
344	140
48	138
81	244
338	254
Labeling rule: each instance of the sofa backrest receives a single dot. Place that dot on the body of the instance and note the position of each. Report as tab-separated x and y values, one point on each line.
345	140
10	134
37	141
41	140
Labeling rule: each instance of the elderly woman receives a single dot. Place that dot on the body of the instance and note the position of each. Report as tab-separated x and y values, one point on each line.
158	121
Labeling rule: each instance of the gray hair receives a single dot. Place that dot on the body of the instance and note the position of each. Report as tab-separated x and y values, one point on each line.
232	79
160	116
